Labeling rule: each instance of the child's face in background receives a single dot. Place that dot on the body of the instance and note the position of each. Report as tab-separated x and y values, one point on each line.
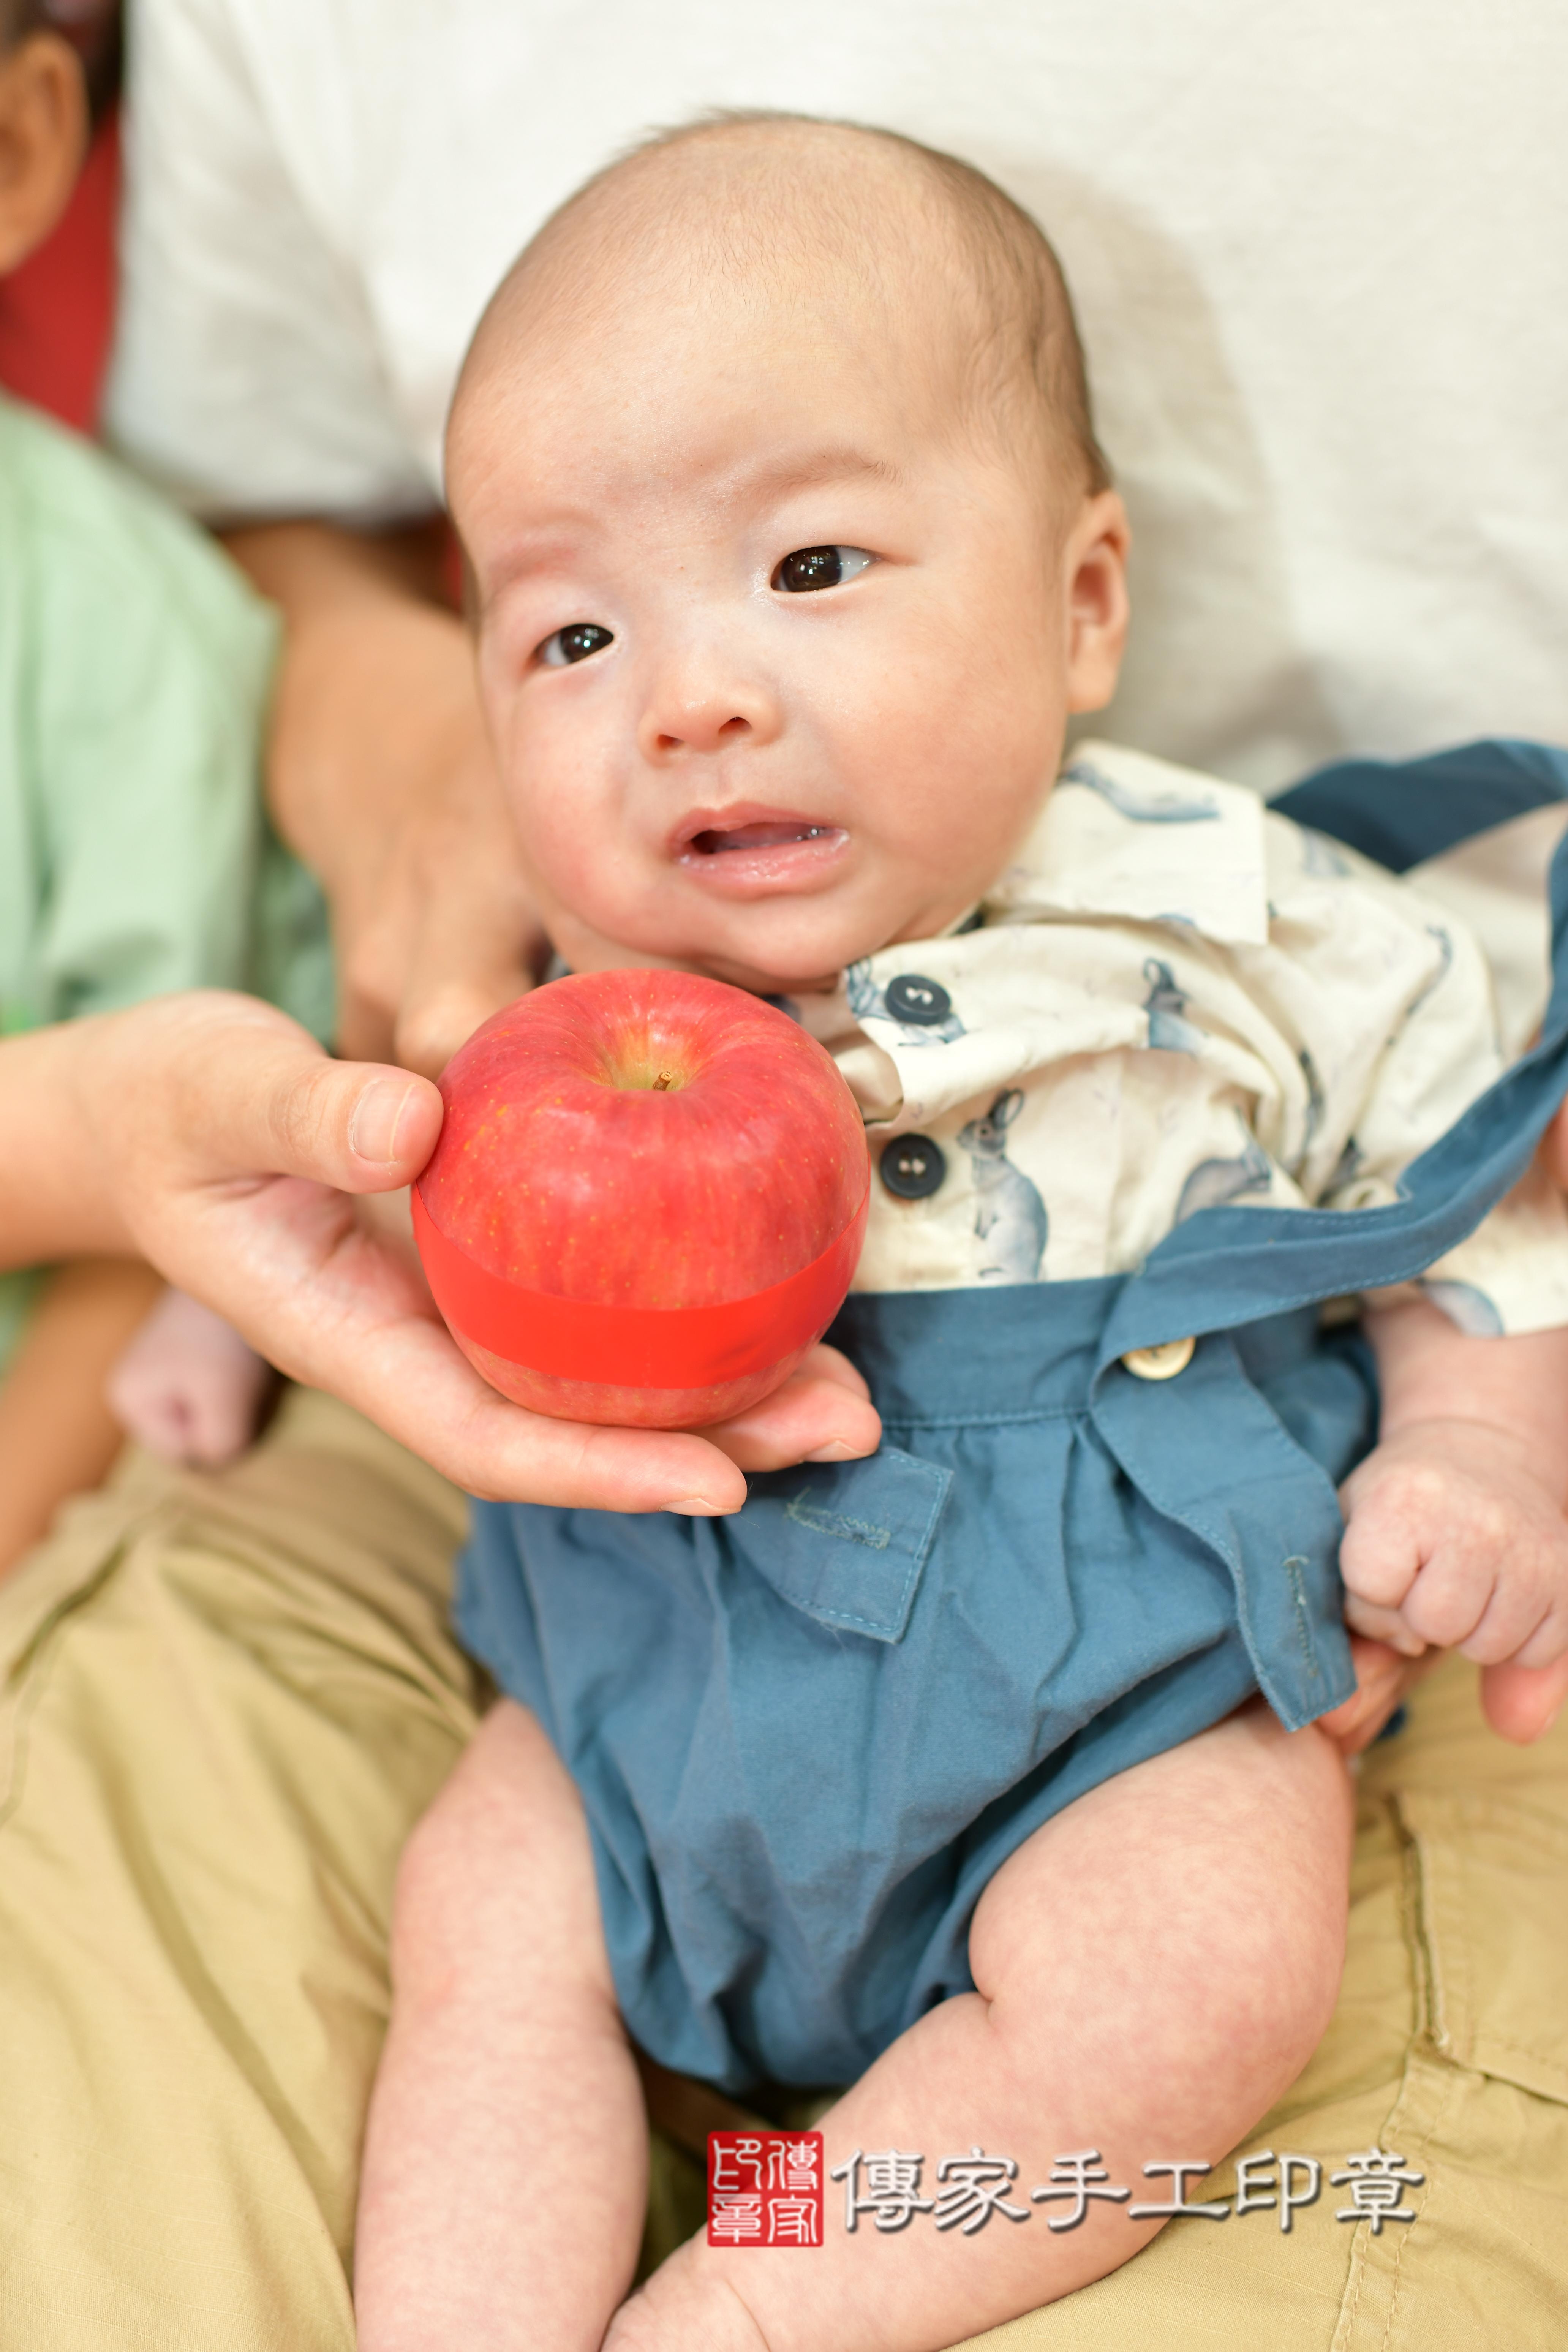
43	138
777	646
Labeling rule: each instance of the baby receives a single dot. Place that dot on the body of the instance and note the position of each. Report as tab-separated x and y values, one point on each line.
135	669
984	1770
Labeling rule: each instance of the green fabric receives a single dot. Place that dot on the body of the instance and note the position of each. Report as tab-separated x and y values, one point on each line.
17	1292
135	665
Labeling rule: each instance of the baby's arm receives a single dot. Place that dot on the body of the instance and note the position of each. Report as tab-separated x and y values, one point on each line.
58	1435
1456	1535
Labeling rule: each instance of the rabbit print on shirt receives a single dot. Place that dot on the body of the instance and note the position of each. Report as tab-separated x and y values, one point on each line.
1010	1219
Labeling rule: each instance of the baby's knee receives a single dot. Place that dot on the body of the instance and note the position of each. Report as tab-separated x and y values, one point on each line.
1191	1914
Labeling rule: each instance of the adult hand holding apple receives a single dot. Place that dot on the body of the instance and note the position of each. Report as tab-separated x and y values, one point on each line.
215	1138
648	1200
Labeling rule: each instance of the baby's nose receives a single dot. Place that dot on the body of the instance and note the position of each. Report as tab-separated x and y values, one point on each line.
700	705
702	734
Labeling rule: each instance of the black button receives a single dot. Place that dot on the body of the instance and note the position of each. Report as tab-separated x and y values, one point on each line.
924	1003
912	1166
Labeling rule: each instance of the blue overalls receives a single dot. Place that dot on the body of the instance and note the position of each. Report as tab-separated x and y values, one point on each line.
807	1735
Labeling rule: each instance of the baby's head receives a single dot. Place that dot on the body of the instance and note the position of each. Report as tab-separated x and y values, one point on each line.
792	548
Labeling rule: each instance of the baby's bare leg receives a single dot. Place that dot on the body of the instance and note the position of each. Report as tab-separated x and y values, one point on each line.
1153	1967
506	2157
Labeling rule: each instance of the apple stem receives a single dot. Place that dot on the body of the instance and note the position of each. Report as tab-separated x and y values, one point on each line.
664	1081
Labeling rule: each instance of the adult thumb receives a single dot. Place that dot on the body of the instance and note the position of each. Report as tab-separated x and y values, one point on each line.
235	1090
1521	1703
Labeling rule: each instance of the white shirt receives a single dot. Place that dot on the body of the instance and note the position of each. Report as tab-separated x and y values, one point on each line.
1177	1000
1318	247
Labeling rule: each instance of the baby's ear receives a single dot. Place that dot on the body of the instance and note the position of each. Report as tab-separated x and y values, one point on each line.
1096	601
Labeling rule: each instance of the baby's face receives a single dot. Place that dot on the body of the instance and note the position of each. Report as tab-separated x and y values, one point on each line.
776	647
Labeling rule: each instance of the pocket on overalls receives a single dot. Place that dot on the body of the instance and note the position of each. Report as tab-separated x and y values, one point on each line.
845	1542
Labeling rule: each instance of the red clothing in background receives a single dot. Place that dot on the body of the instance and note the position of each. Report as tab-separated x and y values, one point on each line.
56	312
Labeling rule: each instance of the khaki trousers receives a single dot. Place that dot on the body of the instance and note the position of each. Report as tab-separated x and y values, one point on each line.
224	1701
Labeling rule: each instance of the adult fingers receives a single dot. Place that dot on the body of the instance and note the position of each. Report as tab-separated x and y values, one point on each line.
825	1363
225	1089
476	943
339	1308
1523	1702
823	1412
1511	1624
453	935
470	962
1382	1677
421	1390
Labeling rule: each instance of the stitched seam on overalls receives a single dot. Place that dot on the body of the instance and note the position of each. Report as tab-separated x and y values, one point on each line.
875	1627
1293	1567
986	1419
881	1628
1199	1521
834	1523
1280	1443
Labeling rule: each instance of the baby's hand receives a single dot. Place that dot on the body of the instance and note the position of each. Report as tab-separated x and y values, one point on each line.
1454	1540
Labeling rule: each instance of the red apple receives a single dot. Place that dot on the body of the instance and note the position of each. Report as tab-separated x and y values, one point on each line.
648	1200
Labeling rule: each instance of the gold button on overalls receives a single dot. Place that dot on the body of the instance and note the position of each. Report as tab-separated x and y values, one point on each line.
1161	1363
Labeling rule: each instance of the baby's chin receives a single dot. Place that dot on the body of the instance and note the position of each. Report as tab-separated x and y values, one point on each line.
604	956
803	967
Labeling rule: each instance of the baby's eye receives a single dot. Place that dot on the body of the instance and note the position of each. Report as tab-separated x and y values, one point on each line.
819	567
574	643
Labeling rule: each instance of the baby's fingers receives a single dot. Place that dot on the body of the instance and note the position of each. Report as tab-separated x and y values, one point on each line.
1431	1545
1383	1625
1382	1548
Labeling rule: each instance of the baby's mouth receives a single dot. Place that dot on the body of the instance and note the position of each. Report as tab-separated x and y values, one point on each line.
765	832
754	852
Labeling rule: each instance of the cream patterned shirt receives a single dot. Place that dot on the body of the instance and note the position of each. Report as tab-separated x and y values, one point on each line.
1175	999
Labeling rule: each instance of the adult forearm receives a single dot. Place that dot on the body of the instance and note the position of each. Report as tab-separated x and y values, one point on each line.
53	1200
376	687
380	777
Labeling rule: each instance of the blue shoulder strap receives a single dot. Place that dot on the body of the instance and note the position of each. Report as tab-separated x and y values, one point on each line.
1227	1266
1401	811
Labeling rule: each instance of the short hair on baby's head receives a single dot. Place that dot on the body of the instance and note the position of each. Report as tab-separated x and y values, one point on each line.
1021	360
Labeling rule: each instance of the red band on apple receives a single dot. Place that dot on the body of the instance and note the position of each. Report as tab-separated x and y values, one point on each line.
647	1347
